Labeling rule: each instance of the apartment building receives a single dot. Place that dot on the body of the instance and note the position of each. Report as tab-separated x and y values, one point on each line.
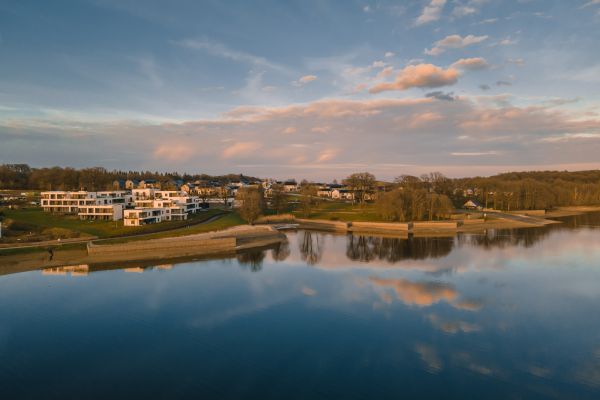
107	205
143	216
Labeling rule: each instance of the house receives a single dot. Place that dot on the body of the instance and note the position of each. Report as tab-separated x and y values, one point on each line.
119	184
342	194
149	184
188	187
472	205
290	186
131	184
324	191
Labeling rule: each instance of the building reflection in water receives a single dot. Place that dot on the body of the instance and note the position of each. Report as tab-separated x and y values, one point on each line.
85	269
73	270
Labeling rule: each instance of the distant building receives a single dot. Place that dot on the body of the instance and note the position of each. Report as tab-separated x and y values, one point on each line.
342	194
131	184
290	186
472	205
119	184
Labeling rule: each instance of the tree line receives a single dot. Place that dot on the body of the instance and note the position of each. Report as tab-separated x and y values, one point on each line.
22	176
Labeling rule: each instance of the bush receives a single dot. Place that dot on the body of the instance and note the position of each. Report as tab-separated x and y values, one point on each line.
18	226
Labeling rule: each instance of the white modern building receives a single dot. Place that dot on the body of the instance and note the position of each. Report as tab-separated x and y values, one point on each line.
106	205
143	216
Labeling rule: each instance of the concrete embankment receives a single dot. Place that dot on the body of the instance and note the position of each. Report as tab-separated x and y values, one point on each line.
388	228
226	242
220	242
322	225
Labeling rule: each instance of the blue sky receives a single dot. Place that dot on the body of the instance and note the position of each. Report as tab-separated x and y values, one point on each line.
314	89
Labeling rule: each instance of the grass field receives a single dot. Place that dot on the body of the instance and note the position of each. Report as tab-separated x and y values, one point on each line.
226	221
101	229
341	211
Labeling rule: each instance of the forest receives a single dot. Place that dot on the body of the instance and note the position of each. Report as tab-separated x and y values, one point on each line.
22	176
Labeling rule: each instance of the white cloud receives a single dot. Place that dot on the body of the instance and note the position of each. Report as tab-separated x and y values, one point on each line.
454	42
431	12
463	11
591	3
570	136
389	54
220	50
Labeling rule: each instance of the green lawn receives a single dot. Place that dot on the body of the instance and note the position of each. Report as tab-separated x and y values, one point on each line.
226	221
342	211
101	229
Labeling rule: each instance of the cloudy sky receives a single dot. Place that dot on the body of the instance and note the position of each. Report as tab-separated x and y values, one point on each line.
305	89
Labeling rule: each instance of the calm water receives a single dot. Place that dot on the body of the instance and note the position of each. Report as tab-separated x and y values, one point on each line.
510	314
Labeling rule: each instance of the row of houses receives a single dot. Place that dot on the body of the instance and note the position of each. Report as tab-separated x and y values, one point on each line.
135	207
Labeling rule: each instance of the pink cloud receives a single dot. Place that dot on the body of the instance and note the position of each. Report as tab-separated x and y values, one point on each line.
471	63
173	152
421	76
240	149
454	42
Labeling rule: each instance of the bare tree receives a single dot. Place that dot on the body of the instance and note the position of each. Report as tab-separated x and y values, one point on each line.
252	203
362	184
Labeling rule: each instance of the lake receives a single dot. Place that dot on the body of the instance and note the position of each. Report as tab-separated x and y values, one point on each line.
509	314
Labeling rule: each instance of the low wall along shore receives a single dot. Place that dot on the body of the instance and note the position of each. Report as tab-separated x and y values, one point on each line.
377	227
223	242
434	226
322	225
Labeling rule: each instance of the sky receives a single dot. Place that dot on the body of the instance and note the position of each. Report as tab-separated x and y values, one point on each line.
302	89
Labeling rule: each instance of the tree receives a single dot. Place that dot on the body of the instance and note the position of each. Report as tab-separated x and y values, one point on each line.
362	184
279	199
224	193
308	199
252	203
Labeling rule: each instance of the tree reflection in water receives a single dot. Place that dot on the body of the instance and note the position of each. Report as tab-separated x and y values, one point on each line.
526	237
311	247
281	251
368	248
252	259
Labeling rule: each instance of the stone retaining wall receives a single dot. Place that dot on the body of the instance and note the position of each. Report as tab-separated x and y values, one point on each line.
323	225
379	227
434	226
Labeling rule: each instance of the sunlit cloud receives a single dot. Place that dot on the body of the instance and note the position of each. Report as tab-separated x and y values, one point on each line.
419	76
454	42
476	63
240	149
303	80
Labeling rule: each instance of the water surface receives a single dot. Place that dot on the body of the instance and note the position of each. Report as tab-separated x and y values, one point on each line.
509	314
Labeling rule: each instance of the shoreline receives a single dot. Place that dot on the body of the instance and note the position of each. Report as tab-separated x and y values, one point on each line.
230	241
217	244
